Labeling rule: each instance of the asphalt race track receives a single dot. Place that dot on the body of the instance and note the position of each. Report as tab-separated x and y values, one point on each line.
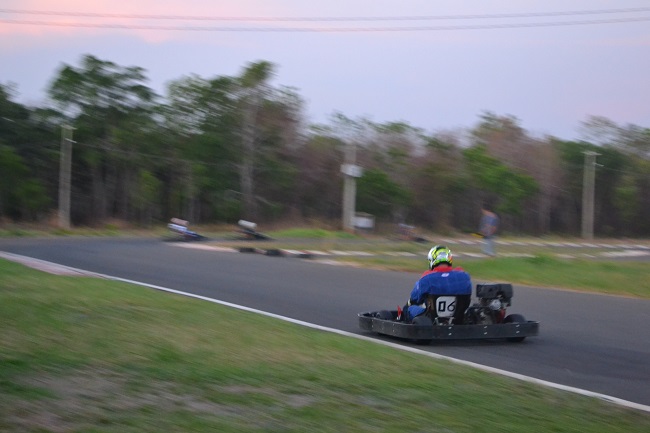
594	342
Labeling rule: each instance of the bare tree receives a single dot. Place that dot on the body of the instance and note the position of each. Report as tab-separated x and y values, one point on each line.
254	88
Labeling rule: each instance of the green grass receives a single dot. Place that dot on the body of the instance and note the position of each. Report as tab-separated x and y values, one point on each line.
90	355
308	233
616	278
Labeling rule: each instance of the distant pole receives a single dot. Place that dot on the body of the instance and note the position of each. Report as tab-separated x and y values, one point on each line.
65	170
349	195
588	187
351	172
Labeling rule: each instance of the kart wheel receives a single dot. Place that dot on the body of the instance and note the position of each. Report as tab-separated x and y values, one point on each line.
385	315
515	318
422	320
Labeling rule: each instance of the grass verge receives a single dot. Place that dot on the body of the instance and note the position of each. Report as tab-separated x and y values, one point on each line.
614	278
83	354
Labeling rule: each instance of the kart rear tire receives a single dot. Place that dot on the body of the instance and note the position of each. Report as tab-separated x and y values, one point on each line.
422	320
515	318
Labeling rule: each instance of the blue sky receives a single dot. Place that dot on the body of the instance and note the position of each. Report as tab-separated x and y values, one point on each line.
551	77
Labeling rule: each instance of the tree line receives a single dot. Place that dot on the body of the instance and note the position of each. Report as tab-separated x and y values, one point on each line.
226	148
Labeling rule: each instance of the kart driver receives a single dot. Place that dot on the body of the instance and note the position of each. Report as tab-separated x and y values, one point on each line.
440	279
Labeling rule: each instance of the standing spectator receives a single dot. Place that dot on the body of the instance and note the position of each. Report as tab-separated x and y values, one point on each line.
487	228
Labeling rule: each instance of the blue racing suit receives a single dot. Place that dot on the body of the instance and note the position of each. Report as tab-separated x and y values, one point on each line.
442	280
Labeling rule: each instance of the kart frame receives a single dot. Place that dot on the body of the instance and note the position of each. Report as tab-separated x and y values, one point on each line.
513	331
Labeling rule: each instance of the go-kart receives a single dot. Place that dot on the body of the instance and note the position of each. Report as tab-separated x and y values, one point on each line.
178	228
451	317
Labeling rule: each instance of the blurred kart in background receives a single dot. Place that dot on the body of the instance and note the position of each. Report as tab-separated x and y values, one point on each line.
180	231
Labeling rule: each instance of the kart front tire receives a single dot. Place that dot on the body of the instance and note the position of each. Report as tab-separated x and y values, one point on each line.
385	315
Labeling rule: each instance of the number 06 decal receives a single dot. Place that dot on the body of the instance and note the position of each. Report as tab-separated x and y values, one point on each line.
446	306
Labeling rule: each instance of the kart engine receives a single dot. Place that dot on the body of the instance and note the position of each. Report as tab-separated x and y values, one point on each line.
491	306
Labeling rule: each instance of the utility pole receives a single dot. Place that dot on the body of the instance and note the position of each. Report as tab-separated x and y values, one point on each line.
588	186
351	172
65	170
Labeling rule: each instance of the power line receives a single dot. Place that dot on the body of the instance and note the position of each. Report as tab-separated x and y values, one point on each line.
330	29
326	19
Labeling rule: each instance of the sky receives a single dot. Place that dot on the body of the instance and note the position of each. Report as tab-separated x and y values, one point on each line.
434	64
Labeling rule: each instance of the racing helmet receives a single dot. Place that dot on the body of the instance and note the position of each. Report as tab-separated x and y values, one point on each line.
439	254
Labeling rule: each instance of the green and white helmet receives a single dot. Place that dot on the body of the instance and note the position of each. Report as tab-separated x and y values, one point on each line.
439	254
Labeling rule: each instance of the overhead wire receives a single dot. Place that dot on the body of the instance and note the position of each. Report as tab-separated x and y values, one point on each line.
248	20
322	19
326	29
